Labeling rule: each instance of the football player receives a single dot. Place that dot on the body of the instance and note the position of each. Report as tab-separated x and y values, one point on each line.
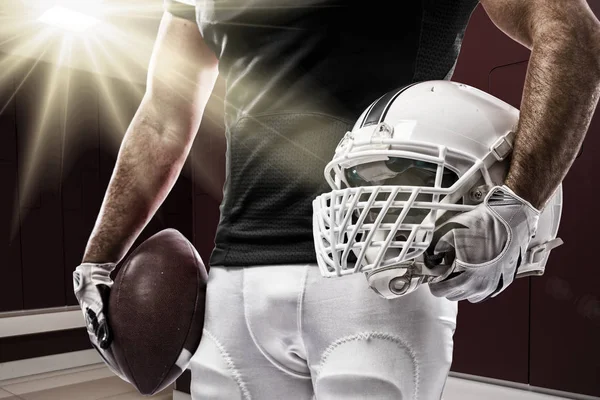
298	75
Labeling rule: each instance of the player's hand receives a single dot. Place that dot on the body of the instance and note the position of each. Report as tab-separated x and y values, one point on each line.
488	244
92	284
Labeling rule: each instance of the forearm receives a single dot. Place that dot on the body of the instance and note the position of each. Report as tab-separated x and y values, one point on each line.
147	167
560	95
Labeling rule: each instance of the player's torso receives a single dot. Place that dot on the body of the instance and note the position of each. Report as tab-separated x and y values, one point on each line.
298	73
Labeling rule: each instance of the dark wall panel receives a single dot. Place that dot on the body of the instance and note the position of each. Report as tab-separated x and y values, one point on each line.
11	284
39	131
208	152
183	383
492	338
81	197
206	219
43	344
207	158
8	139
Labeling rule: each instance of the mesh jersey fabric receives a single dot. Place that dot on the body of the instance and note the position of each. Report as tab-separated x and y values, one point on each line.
298	74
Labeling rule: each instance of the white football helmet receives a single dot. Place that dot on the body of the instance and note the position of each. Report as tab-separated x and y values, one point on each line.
416	157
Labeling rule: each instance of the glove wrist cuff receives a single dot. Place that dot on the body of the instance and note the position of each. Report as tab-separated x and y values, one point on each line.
109	267
512	194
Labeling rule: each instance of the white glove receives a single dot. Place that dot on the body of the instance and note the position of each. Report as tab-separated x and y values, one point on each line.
488	245
92	284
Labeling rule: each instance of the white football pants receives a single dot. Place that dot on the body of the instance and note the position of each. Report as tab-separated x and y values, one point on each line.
286	333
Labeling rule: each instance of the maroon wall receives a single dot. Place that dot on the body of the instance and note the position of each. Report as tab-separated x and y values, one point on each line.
11	297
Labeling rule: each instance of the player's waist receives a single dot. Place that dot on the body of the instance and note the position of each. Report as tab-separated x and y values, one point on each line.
269	248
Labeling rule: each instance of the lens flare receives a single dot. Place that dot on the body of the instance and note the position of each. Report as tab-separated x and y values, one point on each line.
68	19
111	39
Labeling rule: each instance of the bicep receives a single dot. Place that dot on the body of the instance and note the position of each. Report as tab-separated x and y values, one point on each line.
182	70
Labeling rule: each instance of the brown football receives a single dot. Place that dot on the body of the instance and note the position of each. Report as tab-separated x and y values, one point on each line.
156	310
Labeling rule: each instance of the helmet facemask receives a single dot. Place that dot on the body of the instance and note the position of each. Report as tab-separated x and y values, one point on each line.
406	175
385	205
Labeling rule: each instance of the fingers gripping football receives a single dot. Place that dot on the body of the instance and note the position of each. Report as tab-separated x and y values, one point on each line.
489	243
92	284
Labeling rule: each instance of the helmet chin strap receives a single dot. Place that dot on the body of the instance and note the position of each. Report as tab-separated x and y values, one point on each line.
391	281
394	281
399	279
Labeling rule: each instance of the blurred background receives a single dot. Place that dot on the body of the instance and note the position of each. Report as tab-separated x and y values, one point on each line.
72	74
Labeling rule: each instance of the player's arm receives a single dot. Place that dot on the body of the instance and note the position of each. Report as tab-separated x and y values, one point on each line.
181	77
561	90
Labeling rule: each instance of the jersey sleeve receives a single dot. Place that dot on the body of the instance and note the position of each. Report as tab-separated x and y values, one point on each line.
181	8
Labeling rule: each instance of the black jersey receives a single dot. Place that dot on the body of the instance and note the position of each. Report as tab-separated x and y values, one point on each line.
298	74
